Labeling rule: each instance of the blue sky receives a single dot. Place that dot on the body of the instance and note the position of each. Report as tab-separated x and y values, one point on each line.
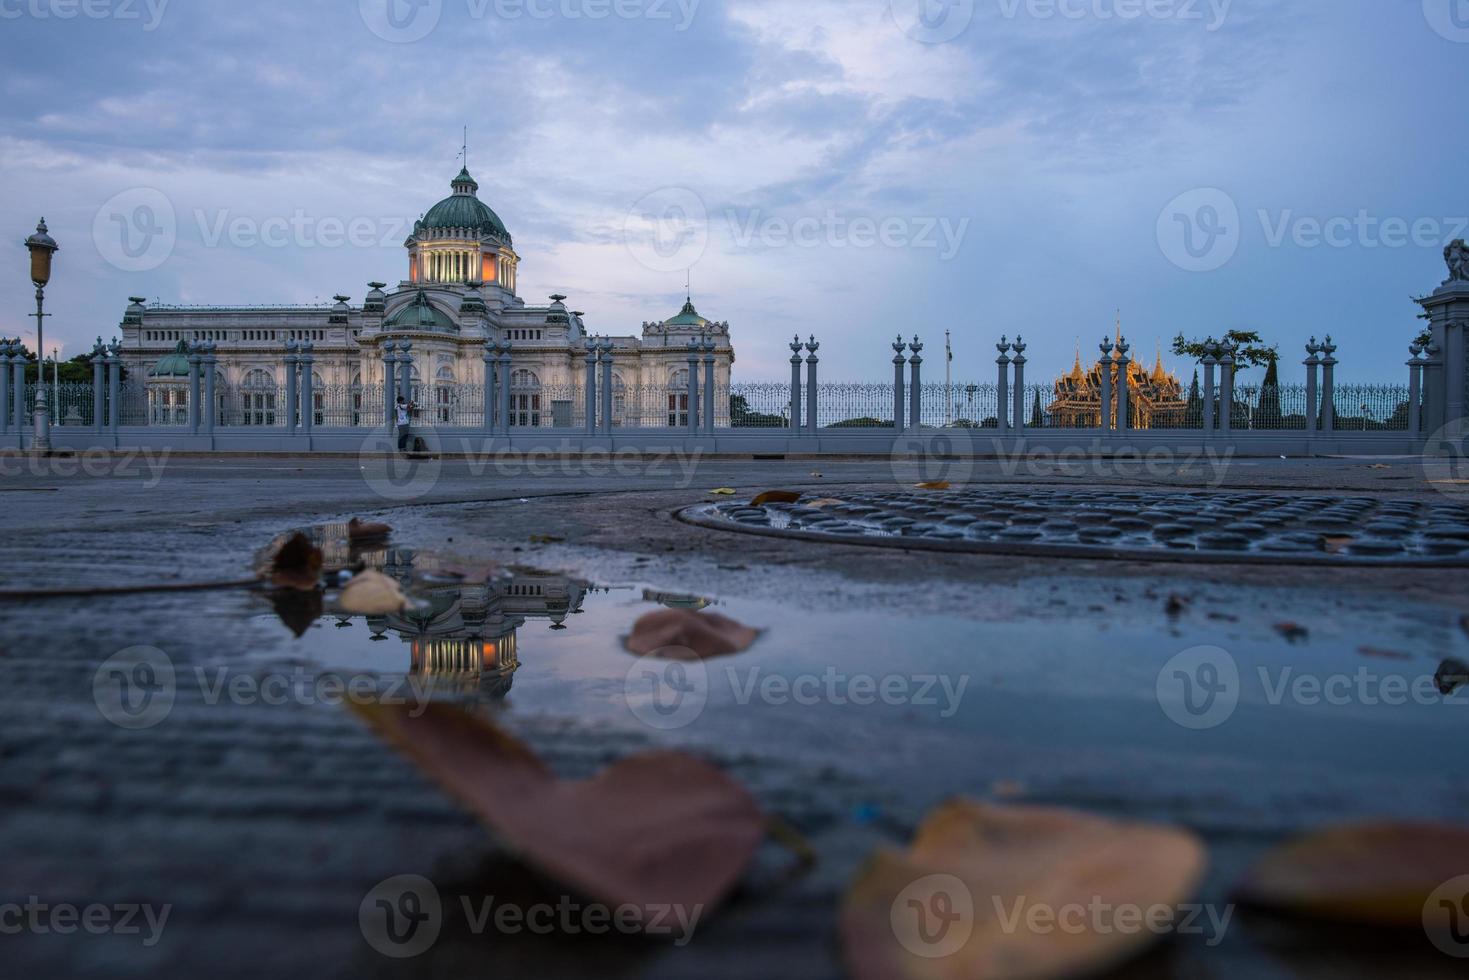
838	167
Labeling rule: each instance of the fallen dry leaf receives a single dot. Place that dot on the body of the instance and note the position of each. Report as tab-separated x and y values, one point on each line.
1293	632
1379	873
545	539
360	530
946	908
683	634
657	829
724	491
775	497
823	502
297	565
372	593
1380	466
935	485
1333	544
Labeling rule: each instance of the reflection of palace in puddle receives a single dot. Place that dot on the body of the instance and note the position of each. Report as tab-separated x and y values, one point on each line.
462	630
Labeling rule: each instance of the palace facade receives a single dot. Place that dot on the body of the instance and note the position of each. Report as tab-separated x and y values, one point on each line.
1155	399
460	291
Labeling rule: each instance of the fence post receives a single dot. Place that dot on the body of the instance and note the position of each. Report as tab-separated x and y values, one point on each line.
1018	425
811	390
308	404
114	386
504	365
390	392
1312	362
590	394
1328	386
1123	419
1226	385
99	394
1208	361
709	385
1415	385
915	385
291	391
195	359
4	385
210	406
606	390
693	392
1002	389
795	385
1104	401
405	370
487	420
899	362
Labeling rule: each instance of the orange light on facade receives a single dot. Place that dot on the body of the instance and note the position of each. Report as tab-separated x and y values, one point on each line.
487	273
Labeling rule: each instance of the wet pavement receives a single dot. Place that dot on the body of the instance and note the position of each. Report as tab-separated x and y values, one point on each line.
883	682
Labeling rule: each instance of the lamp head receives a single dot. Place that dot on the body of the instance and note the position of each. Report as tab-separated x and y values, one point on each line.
42	247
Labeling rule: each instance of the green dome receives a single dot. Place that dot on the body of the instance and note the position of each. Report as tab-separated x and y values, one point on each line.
420	315
175	365
463	209
687	317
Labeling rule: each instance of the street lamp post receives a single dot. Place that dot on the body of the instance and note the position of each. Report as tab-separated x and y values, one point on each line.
42	246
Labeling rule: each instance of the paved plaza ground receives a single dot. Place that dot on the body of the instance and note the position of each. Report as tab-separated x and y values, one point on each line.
264	826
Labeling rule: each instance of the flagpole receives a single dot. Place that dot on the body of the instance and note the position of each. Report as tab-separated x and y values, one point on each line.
948	376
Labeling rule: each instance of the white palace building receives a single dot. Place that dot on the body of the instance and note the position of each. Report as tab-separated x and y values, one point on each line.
460	292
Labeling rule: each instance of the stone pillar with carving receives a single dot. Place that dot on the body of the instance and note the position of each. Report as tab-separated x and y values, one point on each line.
1227	349
915	384
195	358
606	391
405	370
1447	310
1002	386
709	385
211	404
505	348
308	380
1018	424
99	393
591	385
1328	386
1415	388
812	346
292	358
1209	361
899	363
1124	420
390	385
5	349
1104	399
795	385
1313	365
692	394
114	386
487	355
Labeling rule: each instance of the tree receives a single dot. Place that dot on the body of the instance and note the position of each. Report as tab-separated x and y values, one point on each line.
1037	420
1269	410
1250	350
741	416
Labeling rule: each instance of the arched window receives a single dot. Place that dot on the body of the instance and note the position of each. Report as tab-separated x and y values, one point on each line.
257	398
525	398
445	393
678	399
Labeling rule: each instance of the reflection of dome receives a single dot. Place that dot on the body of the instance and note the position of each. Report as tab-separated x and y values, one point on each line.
463	210
175	365
421	315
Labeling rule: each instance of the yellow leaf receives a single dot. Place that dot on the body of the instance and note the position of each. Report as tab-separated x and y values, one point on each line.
724	491
941	909
935	485
1380	873
372	593
775	497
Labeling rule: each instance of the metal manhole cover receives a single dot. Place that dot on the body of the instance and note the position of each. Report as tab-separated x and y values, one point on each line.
1178	525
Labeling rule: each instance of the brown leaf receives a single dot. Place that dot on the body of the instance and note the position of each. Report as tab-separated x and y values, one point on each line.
297	565
360	530
824	502
372	593
683	634
935	485
775	497
1380	873
1333	544
1293	632
297	608
939	909
661	828
545	539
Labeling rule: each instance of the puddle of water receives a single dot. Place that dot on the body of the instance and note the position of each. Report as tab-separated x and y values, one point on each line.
1123	700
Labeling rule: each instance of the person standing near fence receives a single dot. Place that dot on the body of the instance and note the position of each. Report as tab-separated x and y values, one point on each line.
404	420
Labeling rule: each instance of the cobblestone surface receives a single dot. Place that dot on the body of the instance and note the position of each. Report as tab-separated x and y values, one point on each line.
1193	525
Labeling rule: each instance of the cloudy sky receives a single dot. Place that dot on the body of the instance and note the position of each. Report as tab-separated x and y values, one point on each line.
848	168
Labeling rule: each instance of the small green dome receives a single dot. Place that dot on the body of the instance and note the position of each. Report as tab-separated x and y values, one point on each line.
420	315
687	317
175	365
463	209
